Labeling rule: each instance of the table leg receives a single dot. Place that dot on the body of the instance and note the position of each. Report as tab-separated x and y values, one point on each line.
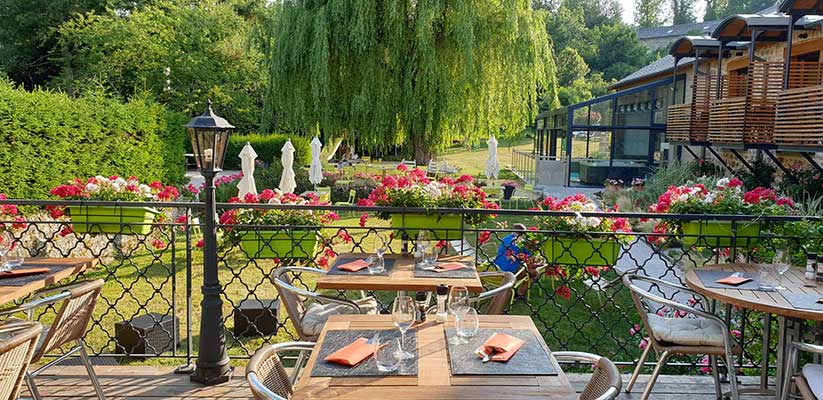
764	362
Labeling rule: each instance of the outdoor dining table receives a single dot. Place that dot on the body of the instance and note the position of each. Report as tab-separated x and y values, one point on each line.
434	379
16	288
790	317
400	277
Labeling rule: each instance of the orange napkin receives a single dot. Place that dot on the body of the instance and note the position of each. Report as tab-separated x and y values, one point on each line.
353	353
733	280
449	266
353	266
503	346
23	272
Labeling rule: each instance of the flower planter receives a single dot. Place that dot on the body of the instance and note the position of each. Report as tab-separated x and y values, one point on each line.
112	219
412	223
719	233
298	243
581	251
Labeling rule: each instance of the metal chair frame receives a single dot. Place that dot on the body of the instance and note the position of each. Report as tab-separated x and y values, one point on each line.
601	362
257	386
791	365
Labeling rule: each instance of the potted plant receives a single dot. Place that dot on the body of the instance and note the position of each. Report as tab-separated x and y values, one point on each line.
412	188
725	196
284	233
613	184
114	219
639	184
581	240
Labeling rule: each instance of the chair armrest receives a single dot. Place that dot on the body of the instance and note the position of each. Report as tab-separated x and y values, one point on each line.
254	381
671	285
34	304
682	307
808	347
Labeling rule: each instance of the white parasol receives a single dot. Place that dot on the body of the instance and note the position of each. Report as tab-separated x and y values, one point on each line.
287	183
316	168
492	166
247	157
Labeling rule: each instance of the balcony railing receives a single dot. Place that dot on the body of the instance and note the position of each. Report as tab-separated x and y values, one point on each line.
690	122
799	114
575	307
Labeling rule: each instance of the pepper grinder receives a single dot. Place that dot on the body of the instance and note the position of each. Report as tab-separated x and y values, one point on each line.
442	294
420	299
811	266
820	267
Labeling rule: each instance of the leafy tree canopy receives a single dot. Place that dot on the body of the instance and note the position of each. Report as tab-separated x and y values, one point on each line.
419	72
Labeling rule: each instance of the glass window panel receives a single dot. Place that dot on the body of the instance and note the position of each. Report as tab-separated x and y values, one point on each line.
601	113
581	116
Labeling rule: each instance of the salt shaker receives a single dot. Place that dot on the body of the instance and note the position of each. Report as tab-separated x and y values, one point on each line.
442	293
820	267
811	266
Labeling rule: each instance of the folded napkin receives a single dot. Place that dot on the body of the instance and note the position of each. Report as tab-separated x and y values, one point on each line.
820	300
449	266
23	272
353	266
733	280
353	353
501	345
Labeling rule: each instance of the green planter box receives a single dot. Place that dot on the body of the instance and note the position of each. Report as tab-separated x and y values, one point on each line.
581	251
412	223
719	233
112	219
298	243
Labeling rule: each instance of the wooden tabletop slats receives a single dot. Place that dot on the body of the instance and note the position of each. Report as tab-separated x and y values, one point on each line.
400	277
434	379
73	266
761	301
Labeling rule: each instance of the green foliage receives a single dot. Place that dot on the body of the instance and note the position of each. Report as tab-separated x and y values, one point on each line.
269	177
583	89
619	51
763	174
570	67
683	12
203	46
673	174
649	13
809	185
268	149
50	138
408	72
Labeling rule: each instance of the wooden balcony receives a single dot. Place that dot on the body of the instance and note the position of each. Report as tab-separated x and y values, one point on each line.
799	113
690	122
726	120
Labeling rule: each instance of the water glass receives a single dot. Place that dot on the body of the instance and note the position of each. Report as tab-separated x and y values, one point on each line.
430	255
6	242
387	354
403	313
15	256
467	326
765	281
377	264
458	305
782	262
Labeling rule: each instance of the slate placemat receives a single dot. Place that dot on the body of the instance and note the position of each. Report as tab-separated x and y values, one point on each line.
465	273
709	279
803	301
22	280
531	359
337	339
387	262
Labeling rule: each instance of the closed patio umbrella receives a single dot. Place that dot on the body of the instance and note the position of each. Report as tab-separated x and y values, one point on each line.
492	166
287	183
316	168
247	157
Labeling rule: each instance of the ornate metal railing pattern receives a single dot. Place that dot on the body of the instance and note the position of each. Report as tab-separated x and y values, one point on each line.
577	307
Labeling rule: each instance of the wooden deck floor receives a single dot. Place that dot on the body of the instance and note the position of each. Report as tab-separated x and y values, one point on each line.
151	383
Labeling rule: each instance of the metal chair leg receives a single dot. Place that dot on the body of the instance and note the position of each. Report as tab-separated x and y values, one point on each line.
791	362
35	394
652	379
716	375
639	367
87	362
729	361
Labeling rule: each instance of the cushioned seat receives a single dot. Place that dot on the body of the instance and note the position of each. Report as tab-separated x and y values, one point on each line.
317	314
813	373
686	331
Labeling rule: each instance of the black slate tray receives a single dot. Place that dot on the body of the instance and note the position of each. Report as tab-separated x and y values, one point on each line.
465	273
387	262
803	301
709	279
22	280
337	339
532	359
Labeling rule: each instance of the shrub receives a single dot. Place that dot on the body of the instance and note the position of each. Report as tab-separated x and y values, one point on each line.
269	177
267	148
49	138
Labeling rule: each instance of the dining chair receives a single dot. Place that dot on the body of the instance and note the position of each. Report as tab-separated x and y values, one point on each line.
267	378
309	310
700	332
809	382
605	382
18	339
69	326
495	300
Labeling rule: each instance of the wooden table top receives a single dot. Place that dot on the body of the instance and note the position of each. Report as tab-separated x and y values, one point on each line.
767	302
401	277
72	266
434	380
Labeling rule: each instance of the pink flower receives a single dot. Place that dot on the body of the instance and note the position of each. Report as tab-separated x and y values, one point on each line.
643	343
250	198
67	230
267	194
483	237
564	292
736	333
363	219
158	244
402	167
200	244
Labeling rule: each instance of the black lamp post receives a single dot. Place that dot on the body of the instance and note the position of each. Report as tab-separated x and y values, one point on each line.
209	135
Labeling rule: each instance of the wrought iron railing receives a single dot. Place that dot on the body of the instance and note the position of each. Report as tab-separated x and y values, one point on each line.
575	307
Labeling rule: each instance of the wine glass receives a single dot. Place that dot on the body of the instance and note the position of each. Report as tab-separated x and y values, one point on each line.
458	305
782	262
467	326
388	352
403	313
378	264
430	255
6	242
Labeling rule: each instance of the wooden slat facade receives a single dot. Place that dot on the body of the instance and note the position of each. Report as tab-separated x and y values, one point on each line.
799	114
690	122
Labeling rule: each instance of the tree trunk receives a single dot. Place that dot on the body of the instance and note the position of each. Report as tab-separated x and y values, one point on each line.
423	151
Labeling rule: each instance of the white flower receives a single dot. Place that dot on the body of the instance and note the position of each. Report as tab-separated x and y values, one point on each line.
723	182
92	188
710	198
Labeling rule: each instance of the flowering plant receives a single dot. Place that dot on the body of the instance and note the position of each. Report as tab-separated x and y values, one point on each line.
638	182
276	217
578	223
413	189
115	188
613	182
9	213
725	197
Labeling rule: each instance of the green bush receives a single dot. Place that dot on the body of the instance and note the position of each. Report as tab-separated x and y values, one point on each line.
267	148
49	138
269	177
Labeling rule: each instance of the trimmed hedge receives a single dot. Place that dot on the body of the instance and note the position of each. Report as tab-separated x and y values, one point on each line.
267	148
48	138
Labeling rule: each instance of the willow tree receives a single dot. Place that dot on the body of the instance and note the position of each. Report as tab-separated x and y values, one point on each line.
415	72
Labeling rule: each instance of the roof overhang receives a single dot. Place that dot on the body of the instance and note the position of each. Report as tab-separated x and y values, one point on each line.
686	46
801	7
738	27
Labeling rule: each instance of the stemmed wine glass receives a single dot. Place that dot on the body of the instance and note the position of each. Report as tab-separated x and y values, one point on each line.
378	264
403	313
458	305
782	262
